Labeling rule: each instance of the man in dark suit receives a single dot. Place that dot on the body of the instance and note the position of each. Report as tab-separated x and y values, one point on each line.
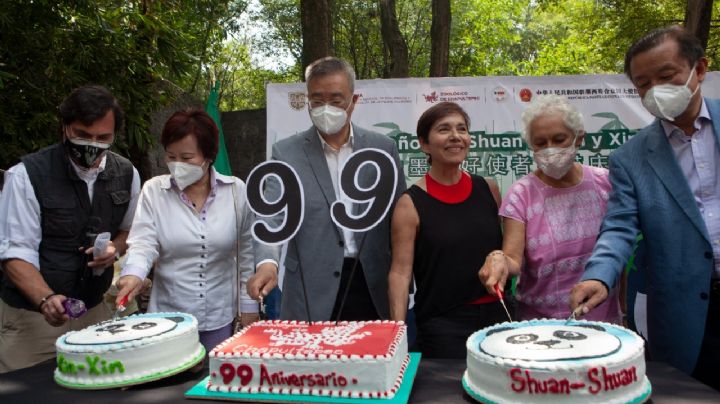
321	251
666	184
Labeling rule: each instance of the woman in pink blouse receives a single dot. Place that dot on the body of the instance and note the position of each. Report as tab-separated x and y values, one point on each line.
551	217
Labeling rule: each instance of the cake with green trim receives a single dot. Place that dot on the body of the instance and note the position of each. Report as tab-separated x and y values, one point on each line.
129	350
554	361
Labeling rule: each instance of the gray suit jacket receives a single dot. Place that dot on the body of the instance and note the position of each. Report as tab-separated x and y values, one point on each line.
318	245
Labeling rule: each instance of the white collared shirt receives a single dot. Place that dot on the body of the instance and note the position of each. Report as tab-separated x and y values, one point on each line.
335	160
20	230
193	252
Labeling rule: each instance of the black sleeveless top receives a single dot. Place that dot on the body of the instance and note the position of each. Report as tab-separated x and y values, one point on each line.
450	248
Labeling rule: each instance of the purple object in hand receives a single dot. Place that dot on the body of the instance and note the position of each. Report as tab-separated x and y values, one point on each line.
74	308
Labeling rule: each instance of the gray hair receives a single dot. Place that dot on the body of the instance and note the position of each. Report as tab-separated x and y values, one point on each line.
330	65
551	104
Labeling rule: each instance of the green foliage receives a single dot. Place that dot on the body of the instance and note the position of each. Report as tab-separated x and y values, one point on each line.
47	48
242	84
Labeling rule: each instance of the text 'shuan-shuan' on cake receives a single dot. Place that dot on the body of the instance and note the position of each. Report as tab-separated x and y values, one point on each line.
127	351
347	359
549	361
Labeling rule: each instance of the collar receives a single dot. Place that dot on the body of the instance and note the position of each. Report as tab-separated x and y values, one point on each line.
669	128
326	146
84	173
167	181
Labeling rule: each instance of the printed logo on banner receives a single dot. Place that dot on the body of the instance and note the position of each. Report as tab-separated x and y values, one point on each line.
525	95
500	94
432	97
297	100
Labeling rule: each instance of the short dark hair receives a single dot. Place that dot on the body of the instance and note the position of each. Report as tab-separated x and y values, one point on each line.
330	65
88	104
435	113
690	47
194	122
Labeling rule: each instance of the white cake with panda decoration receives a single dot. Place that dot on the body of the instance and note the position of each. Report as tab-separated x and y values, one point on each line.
551	361
129	350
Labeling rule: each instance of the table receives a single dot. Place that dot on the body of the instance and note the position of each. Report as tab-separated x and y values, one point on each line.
437	381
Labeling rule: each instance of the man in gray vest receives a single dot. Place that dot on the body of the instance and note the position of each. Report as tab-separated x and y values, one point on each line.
53	204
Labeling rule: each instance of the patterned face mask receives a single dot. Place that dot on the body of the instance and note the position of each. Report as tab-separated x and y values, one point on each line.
85	152
555	162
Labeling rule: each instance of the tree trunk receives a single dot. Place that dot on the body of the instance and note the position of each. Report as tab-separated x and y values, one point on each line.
440	38
393	40
316	22
698	14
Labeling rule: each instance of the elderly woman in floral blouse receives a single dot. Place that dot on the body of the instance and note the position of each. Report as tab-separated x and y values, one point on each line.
551	217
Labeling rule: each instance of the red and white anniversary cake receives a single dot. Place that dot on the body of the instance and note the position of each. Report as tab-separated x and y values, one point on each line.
345	359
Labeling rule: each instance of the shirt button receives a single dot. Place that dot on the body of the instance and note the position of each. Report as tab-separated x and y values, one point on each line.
203	247
202	237
202	256
337	274
201	275
341	243
201	295
200	284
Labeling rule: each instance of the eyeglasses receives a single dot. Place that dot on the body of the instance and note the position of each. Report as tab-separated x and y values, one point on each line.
337	102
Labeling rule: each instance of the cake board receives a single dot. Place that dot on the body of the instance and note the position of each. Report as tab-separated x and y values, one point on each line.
157	376
200	392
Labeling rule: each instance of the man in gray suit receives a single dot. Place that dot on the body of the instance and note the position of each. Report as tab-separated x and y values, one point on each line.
321	252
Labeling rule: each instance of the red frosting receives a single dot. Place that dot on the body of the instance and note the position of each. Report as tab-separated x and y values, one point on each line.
374	339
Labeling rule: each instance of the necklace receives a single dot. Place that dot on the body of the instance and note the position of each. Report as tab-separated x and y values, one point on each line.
454	193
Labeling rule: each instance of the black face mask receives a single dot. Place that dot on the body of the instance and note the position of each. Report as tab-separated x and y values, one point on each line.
83	152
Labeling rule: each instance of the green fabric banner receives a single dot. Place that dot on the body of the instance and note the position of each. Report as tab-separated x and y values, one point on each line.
222	162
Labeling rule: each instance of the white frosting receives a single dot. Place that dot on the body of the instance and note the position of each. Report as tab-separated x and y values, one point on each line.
126	351
546	361
350	359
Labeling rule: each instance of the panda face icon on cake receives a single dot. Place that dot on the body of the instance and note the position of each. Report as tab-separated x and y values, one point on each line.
550	342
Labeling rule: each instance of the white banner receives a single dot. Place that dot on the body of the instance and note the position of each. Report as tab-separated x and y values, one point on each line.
609	103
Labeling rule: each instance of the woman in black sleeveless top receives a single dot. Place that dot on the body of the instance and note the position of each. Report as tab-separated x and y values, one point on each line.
443	227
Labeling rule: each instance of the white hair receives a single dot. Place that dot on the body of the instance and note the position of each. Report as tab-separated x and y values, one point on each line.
548	105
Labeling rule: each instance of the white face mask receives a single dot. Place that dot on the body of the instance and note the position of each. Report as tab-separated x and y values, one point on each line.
668	101
328	119
555	162
185	174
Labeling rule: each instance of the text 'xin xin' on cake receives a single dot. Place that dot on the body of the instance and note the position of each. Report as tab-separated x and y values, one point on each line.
127	351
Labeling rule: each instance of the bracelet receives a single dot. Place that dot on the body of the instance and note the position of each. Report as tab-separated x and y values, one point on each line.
44	300
496	252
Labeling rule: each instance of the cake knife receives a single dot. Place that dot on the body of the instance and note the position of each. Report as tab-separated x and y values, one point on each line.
120	307
573	315
502	301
